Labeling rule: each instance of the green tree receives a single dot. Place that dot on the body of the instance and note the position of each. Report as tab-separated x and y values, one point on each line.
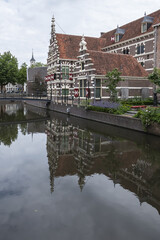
22	74
154	77
8	69
113	78
38	64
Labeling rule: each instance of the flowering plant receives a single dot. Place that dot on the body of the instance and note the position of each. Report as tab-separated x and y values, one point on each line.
149	116
106	104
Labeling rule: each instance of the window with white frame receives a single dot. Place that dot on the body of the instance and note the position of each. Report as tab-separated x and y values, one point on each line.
144	27
98	88
117	38
140	49
82	88
65	72
65	91
126	51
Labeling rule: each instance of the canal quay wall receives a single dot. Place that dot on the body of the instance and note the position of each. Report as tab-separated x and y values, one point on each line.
111	119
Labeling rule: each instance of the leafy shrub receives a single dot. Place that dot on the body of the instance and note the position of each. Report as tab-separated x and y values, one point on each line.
85	102
158	90
149	116
119	110
137	101
123	109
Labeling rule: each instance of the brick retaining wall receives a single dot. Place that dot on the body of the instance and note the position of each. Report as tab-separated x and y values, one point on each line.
115	120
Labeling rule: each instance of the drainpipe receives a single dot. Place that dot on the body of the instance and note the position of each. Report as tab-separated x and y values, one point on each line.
155	65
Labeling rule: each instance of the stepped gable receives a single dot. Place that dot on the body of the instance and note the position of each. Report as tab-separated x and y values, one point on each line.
126	64
132	29
68	45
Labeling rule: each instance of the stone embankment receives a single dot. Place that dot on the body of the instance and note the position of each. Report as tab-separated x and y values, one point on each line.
125	121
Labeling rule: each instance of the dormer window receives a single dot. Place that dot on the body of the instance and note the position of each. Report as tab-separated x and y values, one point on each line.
146	23
144	27
119	34
117	38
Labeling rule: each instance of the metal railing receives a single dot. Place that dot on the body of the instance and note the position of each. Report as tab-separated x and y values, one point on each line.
22	96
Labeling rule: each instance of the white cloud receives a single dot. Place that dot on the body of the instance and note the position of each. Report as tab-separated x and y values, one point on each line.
25	24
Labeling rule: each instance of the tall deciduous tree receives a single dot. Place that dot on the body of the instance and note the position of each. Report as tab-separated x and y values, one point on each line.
113	78
22	74
8	69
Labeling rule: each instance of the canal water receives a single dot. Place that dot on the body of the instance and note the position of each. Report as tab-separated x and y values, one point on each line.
66	178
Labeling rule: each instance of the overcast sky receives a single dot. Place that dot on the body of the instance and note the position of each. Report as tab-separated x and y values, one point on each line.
26	24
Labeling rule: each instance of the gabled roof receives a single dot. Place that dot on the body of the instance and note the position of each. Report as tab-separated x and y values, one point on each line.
68	45
132	29
126	64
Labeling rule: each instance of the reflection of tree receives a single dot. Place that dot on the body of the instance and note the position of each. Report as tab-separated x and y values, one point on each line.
8	134
2	109
155	179
16	116
53	164
112	164
13	113
23	127
139	169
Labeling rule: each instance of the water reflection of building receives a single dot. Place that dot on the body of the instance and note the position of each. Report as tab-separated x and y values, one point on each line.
14	116
59	145
10	108
75	151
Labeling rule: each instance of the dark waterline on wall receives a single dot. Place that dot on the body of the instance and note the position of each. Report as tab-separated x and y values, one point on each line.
63	177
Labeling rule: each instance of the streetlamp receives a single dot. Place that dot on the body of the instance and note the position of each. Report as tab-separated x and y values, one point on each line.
94	90
87	90
154	95
51	93
65	88
40	89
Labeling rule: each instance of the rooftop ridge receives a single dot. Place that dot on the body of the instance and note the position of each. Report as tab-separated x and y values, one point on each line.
111	53
73	35
122	26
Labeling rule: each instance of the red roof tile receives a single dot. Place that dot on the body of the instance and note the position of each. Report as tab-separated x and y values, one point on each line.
132	29
69	45
126	64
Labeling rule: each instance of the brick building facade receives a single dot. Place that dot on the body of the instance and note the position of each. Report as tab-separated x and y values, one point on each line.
92	66
71	73
139	38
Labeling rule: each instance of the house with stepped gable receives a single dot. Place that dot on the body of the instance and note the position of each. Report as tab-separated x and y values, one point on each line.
77	65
